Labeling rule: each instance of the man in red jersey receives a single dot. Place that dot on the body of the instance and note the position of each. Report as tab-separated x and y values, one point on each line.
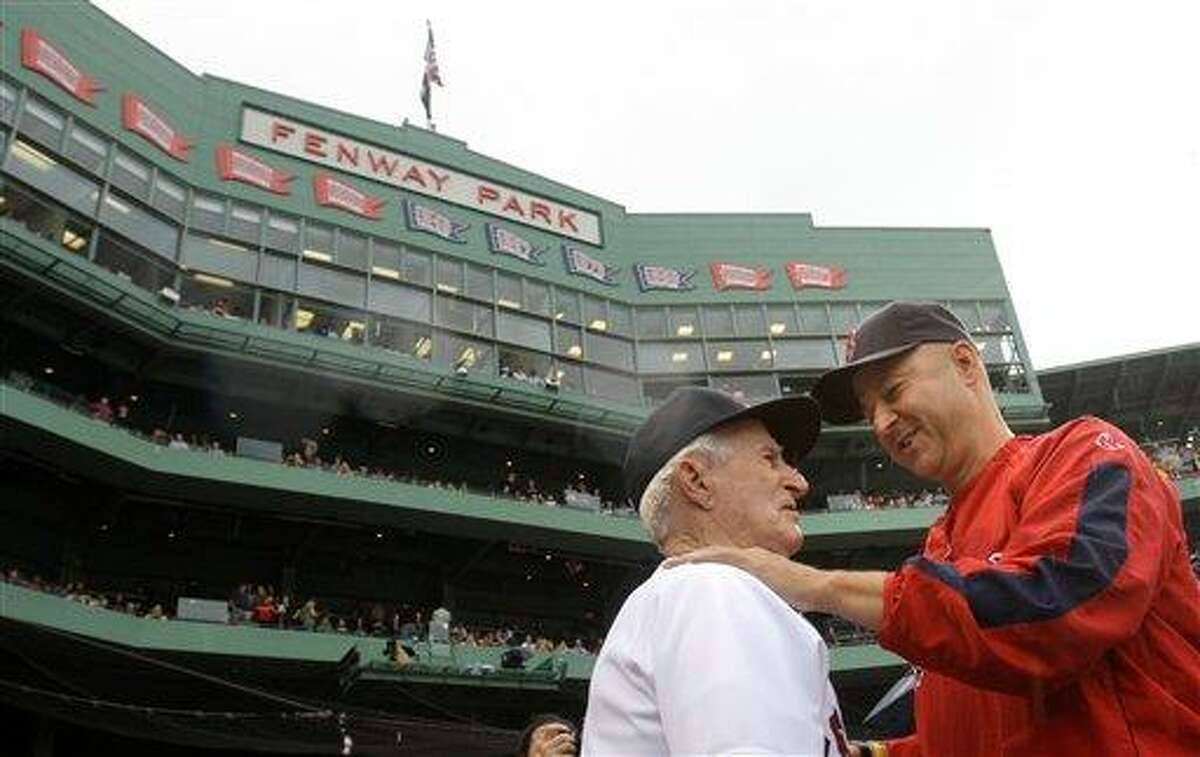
1053	610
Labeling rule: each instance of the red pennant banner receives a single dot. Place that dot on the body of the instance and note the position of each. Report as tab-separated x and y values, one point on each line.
37	54
136	116
735	276
235	165
338	194
808	275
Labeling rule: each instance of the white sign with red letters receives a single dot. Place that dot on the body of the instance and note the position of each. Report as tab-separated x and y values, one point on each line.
328	148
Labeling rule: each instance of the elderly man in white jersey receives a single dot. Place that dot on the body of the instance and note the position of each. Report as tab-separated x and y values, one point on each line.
705	659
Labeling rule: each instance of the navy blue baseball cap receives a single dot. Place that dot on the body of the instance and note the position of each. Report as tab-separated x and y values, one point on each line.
892	330
689	412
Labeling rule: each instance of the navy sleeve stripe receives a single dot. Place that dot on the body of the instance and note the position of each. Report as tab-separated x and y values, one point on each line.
1053	587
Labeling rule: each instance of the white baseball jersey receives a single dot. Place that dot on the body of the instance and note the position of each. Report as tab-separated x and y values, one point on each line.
705	659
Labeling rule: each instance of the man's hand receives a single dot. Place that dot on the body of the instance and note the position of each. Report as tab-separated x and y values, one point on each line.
854	595
799	585
552	740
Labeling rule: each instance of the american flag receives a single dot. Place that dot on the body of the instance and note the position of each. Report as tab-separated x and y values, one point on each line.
432	76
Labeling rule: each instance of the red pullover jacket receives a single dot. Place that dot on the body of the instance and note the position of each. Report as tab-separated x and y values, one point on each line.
1054	610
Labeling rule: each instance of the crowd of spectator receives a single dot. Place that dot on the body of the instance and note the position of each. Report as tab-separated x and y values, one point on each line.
859	500
1175	458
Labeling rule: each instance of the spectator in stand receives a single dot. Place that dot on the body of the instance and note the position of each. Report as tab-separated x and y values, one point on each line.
266	613
101	410
548	735
177	442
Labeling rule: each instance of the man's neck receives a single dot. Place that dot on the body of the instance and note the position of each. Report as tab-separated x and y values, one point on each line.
991	439
682	543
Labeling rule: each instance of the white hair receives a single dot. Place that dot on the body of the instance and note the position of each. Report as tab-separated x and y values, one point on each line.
654	506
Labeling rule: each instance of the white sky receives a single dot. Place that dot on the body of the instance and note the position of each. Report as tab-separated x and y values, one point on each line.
1071	129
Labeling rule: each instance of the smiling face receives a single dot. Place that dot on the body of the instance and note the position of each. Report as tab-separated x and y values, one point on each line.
920	405
755	494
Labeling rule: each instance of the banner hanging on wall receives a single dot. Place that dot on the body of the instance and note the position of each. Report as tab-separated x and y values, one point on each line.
333	192
235	165
505	242
37	54
736	276
663	277
141	119
579	263
808	275
424	218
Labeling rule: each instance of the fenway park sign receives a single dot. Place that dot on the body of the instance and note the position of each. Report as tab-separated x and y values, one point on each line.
328	148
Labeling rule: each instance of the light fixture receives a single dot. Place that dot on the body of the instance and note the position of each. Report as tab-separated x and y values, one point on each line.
423	347
559	315
117	205
323	257
227	245
724	356
378	534
304	318
325	431
778	328
449	288
133	398
48	371
767	354
598	324
386	273
233	416
685	330
33	156
679	357
508	304
575	351
72	241
216	281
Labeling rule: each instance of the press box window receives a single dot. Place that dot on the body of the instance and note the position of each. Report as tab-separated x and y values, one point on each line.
169	196
283	234
87	148
8	101
131	175
43	122
208	214
245	223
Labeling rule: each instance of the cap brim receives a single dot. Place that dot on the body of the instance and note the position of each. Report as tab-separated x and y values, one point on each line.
795	422
835	389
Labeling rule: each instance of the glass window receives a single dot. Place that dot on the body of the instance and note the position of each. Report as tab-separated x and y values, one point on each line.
537	297
216	295
323	319
275	308
670	357
523	330
464	353
169	196
595	314
659	389
608	350
523	365
612	386
352	250
8	101
782	321
739	356
87	148
568	340
393	334
750	320
449	275
620	319
995	317
750	389
213	255
804	353
131	174
814	319
333	285
142	226
385	260
399	300
417	267
566	306
718	321
479	283
683	320
651	322
318	242
283	233
277	271
46	219
129	262
463	315
508	290
998	349
245	223
43	122
208	213
569	375
845	317
46	174
968	314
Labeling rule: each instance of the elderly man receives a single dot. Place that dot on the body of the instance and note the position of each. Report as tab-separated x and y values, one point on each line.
706	659
1053	609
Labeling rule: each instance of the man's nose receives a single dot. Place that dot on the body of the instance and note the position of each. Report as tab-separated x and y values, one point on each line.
797	484
882	418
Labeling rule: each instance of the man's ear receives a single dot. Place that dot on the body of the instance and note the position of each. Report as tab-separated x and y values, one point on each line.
691	478
967	362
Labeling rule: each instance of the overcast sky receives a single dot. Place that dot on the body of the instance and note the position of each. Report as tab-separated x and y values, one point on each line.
1070	129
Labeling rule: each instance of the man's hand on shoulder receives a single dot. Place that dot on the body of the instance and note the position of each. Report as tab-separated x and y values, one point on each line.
799	585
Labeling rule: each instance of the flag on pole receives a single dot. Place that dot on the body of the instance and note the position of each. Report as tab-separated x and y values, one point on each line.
431	76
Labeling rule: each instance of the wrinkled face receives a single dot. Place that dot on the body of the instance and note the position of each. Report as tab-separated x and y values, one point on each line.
756	495
917	405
